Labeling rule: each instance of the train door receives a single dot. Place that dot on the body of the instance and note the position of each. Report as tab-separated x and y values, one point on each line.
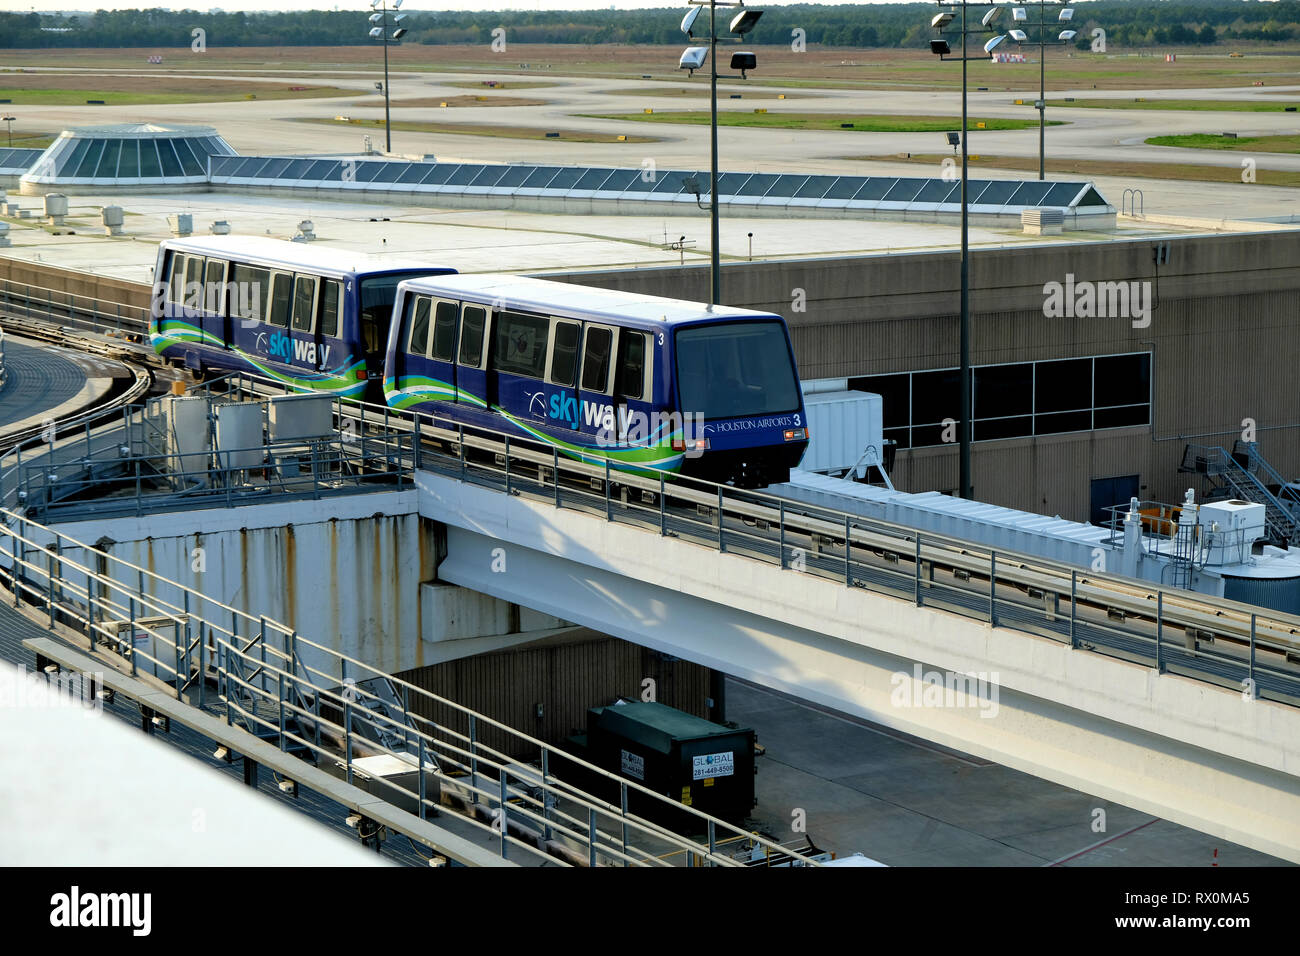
632	390
278	312
471	364
425	353
442	349
332	352
518	363
246	302
562	408
302	322
595	409
215	323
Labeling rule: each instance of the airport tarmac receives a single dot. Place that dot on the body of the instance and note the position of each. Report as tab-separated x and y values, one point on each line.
863	788
275	127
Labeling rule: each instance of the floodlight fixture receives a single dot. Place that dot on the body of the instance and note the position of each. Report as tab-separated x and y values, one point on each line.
941	20
399	33
1017	35
1065	15
994	43
744	21
399	17
743	60
1019	15
992	15
940	47
376	17
376	32
397	4
688	21
693	58
1068	35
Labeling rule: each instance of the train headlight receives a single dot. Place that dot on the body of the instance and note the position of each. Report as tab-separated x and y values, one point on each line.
796	434
690	444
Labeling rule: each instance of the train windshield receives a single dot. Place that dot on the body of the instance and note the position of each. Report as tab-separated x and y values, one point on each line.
735	370
378	293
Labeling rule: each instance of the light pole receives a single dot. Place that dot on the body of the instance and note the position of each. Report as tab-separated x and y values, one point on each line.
941	23
10	121
1020	16
380	17
741	24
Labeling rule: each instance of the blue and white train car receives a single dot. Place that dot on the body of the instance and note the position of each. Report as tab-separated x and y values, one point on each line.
311	319
641	381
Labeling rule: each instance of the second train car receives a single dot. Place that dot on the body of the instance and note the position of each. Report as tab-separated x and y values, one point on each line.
643	381
310	319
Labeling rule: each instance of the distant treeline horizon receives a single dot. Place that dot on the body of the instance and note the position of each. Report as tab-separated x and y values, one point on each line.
1127	23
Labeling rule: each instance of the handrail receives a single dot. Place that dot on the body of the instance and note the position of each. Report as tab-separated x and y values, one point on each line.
47	575
120	316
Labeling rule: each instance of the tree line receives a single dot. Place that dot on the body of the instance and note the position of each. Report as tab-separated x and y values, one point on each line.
1128	23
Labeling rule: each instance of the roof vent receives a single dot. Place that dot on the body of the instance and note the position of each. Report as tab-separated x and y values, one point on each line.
1043	222
113	218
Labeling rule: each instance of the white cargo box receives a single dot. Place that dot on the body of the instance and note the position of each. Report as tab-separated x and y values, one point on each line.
842	425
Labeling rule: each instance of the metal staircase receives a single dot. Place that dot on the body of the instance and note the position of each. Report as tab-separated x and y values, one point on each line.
1245	474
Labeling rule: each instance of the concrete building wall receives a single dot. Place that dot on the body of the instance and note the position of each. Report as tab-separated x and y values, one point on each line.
1222	343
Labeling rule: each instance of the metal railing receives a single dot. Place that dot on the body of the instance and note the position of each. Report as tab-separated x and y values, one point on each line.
1170	629
310	700
153	481
90	313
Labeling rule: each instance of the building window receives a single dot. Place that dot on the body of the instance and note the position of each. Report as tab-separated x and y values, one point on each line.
1016	400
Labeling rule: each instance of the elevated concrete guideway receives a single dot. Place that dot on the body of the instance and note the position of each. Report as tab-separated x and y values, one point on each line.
1196	754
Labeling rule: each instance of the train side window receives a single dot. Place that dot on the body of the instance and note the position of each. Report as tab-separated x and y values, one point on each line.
629	373
521	344
215	287
194	282
176	290
418	344
564	354
253	286
472	324
304	303
281	296
595	359
444	331
329	308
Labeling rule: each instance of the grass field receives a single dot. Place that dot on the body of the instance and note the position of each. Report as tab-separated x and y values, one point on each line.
820	121
25	140
474	129
74	89
1243	106
1254	144
1090	168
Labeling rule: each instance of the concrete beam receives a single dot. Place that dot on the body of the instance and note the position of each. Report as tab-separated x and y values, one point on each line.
1188	751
